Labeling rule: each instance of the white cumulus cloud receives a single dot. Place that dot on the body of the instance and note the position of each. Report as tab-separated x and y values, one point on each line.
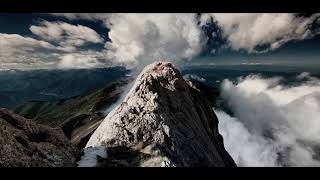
143	38
139	39
273	124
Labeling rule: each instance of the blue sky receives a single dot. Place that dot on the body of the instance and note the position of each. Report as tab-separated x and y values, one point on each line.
102	40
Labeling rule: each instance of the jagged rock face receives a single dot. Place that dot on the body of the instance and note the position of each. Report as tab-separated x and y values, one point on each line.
24	143
163	121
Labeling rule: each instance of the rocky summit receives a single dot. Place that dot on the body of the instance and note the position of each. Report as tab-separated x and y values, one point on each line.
24	143
163	121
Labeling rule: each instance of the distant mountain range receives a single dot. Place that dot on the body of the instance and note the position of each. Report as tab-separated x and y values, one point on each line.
17	86
77	116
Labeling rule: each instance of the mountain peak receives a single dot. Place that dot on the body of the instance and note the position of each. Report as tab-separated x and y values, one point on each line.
163	121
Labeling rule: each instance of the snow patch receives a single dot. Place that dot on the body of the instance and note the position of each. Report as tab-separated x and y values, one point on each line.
90	157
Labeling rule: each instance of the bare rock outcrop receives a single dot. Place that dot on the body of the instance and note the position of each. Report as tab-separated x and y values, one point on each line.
163	121
24	143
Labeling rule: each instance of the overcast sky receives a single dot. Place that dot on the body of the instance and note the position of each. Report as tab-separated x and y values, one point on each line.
32	41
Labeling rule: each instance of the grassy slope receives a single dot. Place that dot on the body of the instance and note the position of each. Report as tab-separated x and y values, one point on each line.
78	116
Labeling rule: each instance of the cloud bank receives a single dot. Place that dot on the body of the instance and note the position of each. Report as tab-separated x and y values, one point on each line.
273	124
52	46
26	52
136	40
139	39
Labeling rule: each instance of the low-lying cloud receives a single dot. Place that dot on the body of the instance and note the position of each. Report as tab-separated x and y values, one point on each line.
79	61
273	124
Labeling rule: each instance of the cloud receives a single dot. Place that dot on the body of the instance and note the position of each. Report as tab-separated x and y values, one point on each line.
86	16
19	52
25	52
139	39
58	45
18	42
245	148
143	38
194	77
272	124
83	60
66	35
248	31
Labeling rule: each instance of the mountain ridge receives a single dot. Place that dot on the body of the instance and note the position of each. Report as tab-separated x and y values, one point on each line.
24	143
77	116
163	121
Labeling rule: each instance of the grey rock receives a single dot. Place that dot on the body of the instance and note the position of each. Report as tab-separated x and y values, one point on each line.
24	143
163	121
